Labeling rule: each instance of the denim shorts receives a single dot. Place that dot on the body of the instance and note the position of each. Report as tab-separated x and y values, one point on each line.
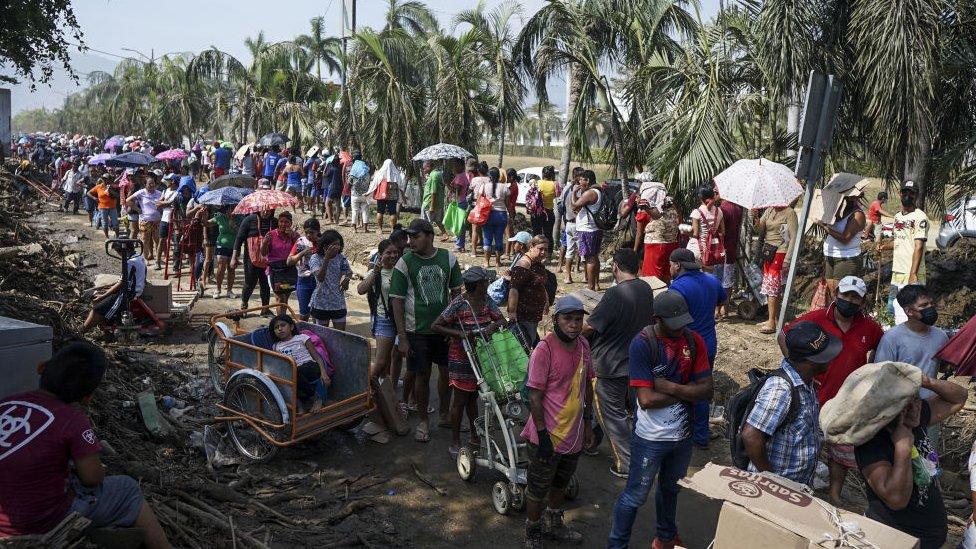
384	327
117	501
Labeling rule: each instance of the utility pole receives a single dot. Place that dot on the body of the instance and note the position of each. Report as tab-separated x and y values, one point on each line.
346	92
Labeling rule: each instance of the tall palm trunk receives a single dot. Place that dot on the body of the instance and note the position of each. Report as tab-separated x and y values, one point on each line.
617	137
916	161
575	90
501	142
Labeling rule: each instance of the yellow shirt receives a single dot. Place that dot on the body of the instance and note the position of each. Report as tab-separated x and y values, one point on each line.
548	191
908	228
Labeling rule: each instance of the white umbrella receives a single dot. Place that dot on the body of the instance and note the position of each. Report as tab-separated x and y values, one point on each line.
242	152
442	151
758	183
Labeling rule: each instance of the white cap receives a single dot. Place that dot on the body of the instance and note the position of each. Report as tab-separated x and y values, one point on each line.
852	284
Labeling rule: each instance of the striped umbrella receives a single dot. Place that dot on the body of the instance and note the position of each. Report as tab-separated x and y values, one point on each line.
264	199
442	151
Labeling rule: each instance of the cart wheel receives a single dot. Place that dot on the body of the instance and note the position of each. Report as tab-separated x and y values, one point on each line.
501	498
518	496
466	465
215	361
514	409
748	309
572	489
247	395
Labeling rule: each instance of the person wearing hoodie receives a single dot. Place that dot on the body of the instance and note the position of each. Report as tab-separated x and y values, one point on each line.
385	189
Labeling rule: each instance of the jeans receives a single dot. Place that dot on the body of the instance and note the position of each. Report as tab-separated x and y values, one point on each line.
494	231
700	431
459	241
304	289
668	461
612	395
72	198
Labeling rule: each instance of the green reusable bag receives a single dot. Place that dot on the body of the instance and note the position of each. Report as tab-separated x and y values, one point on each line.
454	218
510	359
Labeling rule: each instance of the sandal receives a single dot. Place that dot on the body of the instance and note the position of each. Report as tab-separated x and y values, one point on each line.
422	433
767	330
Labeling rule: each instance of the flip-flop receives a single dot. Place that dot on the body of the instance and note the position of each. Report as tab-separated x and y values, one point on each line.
767	330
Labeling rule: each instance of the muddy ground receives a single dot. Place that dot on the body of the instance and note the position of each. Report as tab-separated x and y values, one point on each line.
341	489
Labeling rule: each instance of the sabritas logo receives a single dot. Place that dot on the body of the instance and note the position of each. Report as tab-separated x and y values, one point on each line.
752	485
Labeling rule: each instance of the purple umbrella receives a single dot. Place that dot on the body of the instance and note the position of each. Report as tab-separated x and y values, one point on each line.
114	141
99	159
172	154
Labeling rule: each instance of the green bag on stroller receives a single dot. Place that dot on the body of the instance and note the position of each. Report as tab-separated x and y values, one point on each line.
507	355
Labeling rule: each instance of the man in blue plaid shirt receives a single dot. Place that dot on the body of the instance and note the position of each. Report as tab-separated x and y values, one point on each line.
773	440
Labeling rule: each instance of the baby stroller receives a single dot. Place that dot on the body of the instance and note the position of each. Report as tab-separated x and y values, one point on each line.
500	363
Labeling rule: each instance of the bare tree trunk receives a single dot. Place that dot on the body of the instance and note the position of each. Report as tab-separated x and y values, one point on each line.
575	90
501	143
616	135
916	162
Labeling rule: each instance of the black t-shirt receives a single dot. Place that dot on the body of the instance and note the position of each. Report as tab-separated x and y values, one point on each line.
624	310
925	516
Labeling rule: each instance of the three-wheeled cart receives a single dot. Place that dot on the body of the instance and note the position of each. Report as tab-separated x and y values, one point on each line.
260	400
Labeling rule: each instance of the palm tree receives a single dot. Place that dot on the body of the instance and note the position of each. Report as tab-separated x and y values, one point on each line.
411	16
321	48
495	42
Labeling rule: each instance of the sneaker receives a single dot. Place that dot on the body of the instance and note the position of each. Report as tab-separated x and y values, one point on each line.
670	544
231	295
533	535
554	528
617	472
216	294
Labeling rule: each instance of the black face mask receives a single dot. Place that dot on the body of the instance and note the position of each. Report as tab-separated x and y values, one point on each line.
847	309
563	336
908	201
929	316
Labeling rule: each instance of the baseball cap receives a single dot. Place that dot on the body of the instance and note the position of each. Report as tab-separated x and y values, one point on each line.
157	172
419	226
852	284
685	258
809	342
172	177
567	304
477	274
522	237
673	309
909	186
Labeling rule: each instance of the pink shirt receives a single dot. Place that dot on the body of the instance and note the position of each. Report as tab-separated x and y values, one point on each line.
281	245
562	375
40	435
460	185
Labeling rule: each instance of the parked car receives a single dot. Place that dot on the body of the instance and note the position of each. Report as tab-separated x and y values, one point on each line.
526	176
959	223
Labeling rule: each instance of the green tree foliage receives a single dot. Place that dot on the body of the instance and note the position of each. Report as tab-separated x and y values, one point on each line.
34	38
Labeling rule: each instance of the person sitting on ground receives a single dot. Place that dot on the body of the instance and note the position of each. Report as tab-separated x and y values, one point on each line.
313	380
560	387
790	449
109	305
461	318
900	464
45	432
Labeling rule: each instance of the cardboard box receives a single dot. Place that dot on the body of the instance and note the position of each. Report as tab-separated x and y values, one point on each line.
158	294
765	511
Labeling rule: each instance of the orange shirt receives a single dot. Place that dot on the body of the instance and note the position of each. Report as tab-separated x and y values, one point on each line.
105	200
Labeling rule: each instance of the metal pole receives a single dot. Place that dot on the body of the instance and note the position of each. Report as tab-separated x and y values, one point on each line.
797	250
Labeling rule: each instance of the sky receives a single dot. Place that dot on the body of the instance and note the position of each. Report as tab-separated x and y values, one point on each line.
114	27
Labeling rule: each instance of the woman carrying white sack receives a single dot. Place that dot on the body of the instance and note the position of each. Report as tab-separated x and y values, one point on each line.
385	189
878	410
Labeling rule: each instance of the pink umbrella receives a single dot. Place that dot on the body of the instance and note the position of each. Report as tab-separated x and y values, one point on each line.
265	199
172	154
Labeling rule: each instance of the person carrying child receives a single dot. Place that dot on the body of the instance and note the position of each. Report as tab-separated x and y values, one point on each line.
50	455
466	313
313	378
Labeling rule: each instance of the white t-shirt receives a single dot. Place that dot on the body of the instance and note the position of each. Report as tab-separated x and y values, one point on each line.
295	349
499	200
584	219
137	270
168	195
148	210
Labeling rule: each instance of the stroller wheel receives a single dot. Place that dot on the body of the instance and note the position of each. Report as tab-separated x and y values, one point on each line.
501	498
514	409
466	465
572	489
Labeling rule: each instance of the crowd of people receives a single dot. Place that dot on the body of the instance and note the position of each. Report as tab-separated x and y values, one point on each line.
636	370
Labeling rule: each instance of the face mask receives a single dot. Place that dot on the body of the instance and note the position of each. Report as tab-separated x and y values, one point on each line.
929	316
563	336
908	201
846	308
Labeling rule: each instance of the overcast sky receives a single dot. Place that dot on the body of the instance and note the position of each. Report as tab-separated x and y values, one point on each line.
111	25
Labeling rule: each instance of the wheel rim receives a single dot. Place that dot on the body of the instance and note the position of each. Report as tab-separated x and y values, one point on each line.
248	441
215	362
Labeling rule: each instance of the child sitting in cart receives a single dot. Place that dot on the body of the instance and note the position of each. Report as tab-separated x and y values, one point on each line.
313	379
462	317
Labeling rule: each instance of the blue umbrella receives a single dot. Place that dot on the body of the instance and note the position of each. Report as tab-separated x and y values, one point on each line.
129	160
99	159
23	140
223	196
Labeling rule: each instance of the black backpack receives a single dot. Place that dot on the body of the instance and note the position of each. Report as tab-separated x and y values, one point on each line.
738	408
605	218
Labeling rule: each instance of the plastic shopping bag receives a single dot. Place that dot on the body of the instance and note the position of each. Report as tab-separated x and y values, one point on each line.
454	218
503	362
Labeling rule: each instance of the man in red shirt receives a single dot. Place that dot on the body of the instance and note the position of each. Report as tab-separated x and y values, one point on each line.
860	334
49	464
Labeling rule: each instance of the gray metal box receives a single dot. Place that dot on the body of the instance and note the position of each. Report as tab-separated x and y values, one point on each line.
22	347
